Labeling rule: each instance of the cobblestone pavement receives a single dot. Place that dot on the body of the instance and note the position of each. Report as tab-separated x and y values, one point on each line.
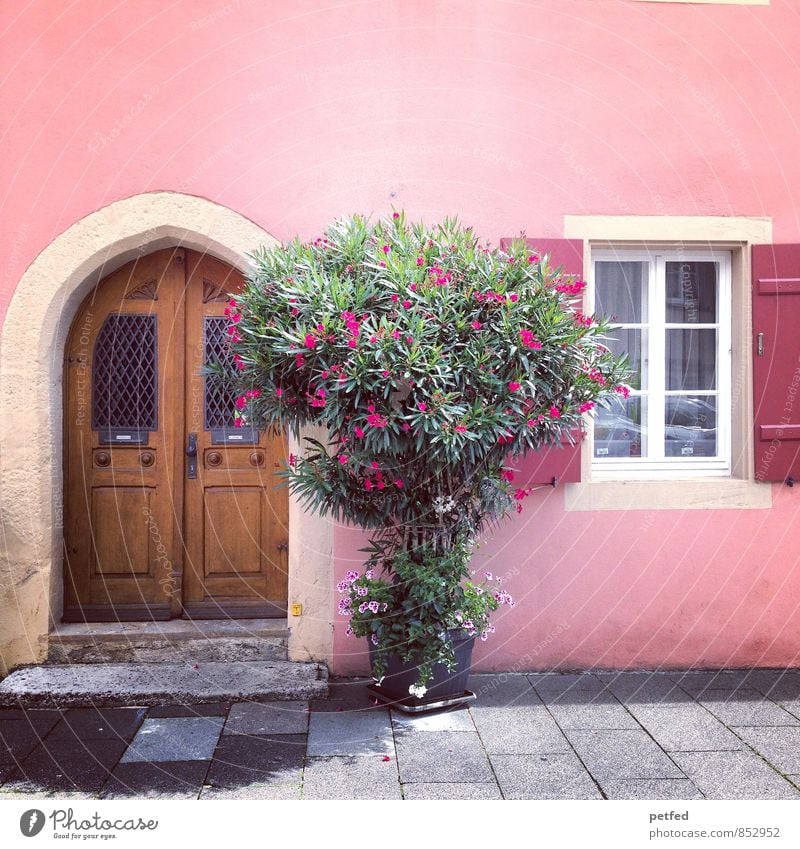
726	735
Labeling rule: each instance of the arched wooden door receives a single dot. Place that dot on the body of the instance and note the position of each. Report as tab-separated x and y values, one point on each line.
169	509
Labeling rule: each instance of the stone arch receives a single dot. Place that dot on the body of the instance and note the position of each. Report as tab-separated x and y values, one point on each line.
38	320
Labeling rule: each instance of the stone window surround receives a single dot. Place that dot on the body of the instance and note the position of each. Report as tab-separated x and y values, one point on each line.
39	317
740	490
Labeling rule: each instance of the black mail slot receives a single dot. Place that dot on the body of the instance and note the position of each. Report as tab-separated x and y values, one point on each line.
235	436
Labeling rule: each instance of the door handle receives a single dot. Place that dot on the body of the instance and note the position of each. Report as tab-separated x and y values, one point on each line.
191	454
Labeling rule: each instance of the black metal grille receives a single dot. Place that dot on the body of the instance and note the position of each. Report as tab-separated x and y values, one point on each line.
124	373
219	395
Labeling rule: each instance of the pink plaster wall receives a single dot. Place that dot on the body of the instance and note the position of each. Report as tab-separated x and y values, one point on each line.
510	115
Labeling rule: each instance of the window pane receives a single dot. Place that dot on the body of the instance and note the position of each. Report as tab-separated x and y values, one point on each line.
691	290
620	291
629	342
618	431
690	426
691	359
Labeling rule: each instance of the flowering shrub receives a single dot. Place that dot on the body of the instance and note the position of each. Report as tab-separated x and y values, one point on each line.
432	360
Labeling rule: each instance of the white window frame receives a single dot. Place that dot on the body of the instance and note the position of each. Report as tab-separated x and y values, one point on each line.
658	466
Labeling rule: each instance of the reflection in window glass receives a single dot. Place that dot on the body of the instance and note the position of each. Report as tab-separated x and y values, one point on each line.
691	292
618	430
690	426
620	291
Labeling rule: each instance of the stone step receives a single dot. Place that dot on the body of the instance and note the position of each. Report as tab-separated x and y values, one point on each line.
126	684
174	641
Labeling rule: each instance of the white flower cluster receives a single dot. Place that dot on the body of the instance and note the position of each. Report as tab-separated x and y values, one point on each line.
418	690
442	505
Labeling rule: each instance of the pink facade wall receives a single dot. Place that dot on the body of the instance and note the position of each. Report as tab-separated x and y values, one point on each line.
510	115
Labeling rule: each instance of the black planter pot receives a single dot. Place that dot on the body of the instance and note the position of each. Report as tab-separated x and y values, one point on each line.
444	688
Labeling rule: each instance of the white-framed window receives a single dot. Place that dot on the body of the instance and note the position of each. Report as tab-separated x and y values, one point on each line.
671	313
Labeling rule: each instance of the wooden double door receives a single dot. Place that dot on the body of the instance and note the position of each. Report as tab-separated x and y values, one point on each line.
170	509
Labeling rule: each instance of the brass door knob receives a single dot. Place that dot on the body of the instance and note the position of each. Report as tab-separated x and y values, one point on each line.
257	458
147	458
102	458
214	458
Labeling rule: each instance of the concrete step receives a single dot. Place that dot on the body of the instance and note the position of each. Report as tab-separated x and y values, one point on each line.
122	684
175	641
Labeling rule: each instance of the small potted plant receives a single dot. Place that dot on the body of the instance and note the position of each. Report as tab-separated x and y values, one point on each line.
434	361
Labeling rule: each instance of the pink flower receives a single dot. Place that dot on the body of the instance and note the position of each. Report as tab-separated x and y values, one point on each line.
381	485
555	413
292	460
368	485
513	297
529	340
375	464
382	264
395	334
358	432
422	406
585	407
385	373
406	304
398	483
395	298
241	401
386	248
622	390
476	325
409	340
343	459
514	386
395	215
533	258
460	429
507	475
406	427
371	408
238	423
310	341
299	361
353	343
420	260
377	420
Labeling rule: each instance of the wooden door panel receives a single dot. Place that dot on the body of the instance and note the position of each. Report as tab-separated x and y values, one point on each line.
125	344
233	531
235	521
142	539
120	535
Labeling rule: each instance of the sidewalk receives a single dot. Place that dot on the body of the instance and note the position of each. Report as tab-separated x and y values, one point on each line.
727	735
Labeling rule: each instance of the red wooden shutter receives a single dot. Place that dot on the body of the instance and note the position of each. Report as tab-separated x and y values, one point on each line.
776	361
563	464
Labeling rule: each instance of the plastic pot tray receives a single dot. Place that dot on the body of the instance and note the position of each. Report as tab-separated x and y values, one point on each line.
414	705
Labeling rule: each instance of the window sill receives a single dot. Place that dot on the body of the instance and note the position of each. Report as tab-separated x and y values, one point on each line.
696	494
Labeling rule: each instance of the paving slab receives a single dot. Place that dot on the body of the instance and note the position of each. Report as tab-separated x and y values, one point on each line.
66	765
622	754
255	791
165	780
685	727
275	718
583	710
645	688
122	684
443	720
695	682
777	684
19	737
452	757
779	746
552	685
345	696
213	709
519	730
175	739
649	788
98	724
745	706
734	775
360	777
30	715
350	733
503	690
454	792
556	776
240	763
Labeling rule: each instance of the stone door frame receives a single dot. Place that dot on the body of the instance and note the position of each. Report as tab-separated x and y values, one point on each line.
34	333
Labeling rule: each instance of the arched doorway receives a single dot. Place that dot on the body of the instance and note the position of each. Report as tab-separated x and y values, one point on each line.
170	509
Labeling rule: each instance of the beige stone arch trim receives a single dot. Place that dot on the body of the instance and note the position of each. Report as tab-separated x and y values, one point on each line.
38	320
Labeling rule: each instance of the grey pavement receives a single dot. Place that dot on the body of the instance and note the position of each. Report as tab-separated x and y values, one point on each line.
694	735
